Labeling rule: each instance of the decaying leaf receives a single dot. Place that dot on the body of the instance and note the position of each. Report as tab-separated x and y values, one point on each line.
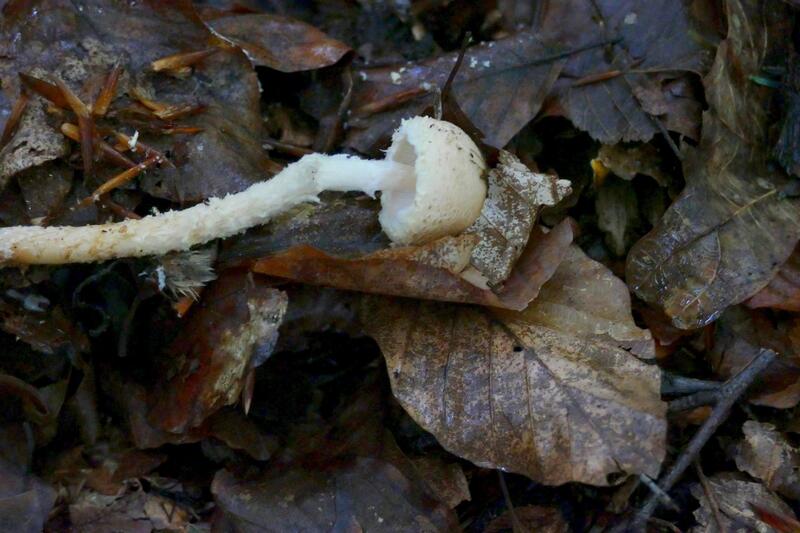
233	327
214	149
445	480
736	499
432	271
500	87
366	494
627	161
280	42
618	93
617	213
514	200
134	511
783	290
765	454
738	337
728	232
547	392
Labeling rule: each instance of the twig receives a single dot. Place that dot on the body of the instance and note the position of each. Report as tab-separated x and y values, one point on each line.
728	395
698	399
712	498
677	384
655	489
515	523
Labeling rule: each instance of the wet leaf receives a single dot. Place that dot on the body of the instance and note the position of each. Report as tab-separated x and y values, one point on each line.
500	87
766	454
726	235
280	43
514	200
434	271
366	494
783	290
47	331
547	392
25	500
617	93
234	324
736	499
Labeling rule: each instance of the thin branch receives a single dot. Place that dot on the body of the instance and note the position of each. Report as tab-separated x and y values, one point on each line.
728	395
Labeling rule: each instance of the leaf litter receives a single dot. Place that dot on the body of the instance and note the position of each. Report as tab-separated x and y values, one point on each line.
309	374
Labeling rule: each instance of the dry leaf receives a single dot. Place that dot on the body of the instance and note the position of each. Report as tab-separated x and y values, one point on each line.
514	200
736	499
766	455
280	43
617	213
500	87
547	392
655	51
430	271
627	161
233	327
25	501
783	291
445	480
726	235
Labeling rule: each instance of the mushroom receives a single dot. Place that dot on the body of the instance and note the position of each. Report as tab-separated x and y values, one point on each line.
431	182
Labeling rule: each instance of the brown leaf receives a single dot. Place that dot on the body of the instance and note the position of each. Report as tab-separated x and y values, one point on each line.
500	87
655	48
135	511
235	324
740	334
445	480
25	500
532	518
366	494
280	43
431	271
736	499
45	331
726	235
767	455
225	156
783	291
617	213
514	200
547	392
627	161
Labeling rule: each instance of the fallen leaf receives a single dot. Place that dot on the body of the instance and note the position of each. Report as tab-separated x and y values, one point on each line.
280	43
46	330
135	511
627	161
366	494
430	271
500	87
617	213
515	198
738	337
783	290
223	155
788	146
726	235
25	500
655	49
547	392
532	518
233	327
735	499
766	454
444	479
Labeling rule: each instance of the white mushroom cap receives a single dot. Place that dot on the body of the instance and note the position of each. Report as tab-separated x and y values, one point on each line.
449	189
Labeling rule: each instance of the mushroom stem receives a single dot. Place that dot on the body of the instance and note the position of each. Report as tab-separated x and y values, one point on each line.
440	193
346	173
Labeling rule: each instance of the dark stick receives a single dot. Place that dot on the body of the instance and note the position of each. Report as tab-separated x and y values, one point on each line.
728	395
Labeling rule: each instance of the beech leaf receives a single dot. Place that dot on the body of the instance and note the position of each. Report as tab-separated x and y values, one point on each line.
766	454
548	392
724	238
514	200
